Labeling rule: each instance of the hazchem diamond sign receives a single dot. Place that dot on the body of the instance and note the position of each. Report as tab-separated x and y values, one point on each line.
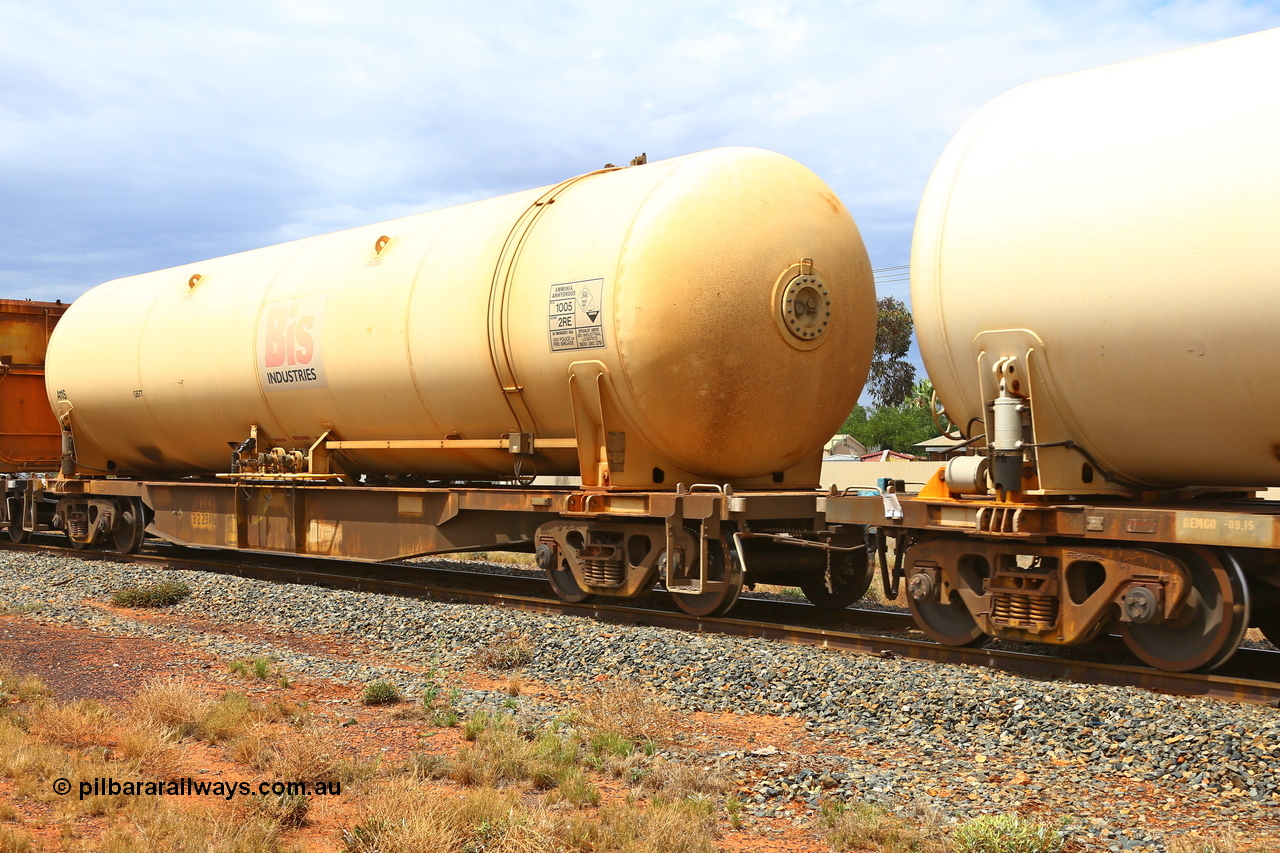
575	315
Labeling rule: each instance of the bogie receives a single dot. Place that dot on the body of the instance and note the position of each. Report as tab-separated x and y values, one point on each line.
1178	608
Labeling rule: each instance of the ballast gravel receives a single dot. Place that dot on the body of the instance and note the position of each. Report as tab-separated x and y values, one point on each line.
1113	761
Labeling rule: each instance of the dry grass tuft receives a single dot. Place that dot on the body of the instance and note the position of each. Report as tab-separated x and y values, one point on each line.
285	810
679	827
71	723
172	703
158	826
502	756
674	780
254	749
422	766
16	687
506	651
177	707
305	756
153	748
573	787
864	826
296	714
229	717
1227	842
163	711
625	709
30	763
399	819
14	841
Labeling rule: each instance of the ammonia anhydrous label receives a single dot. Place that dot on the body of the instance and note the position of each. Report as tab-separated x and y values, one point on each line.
289	336
575	316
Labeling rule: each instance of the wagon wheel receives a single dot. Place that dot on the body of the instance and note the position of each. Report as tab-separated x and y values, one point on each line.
1210	624
563	583
130	528
719	601
851	576
947	622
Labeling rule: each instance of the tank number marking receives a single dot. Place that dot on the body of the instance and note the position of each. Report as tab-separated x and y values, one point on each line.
1256	532
290	354
575	317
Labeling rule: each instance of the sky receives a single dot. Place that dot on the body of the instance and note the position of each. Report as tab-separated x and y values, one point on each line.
139	135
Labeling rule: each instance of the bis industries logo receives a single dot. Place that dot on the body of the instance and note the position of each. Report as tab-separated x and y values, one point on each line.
289	344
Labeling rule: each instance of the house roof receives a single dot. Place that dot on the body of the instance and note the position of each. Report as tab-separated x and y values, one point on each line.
885	456
939	442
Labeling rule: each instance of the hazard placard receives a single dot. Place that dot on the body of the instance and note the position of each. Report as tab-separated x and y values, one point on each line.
575	315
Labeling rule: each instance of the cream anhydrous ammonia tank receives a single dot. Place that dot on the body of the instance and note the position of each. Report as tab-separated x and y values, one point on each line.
1118	231
705	318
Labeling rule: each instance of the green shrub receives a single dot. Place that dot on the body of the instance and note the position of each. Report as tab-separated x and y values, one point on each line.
380	693
477	723
1006	833
162	594
610	743
260	668
445	718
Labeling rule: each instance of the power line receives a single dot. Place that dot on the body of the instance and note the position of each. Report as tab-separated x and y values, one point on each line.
892	275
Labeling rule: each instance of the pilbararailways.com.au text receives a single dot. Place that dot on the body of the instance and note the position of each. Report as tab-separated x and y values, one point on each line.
189	787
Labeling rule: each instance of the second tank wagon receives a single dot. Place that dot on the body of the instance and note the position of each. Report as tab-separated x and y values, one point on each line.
1094	277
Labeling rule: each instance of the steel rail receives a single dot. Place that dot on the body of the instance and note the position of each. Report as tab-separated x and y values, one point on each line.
408	580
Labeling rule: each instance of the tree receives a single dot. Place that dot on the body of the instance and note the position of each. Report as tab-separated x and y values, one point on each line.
892	377
902	414
890	427
896	427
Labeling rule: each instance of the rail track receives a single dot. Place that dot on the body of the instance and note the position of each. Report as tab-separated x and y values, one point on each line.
1253	676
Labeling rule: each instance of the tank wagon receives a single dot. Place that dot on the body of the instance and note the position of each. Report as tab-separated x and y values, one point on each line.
683	335
30	439
1095	277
